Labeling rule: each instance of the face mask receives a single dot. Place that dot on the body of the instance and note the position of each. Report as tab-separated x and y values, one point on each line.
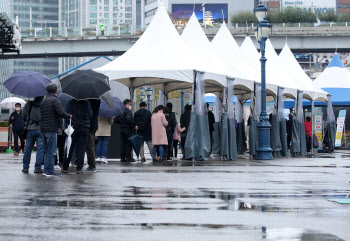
17	108
130	107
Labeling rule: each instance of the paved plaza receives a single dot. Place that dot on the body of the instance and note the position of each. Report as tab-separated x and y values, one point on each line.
283	199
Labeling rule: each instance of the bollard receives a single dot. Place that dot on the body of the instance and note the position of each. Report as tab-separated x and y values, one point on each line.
50	32
9	143
81	31
66	30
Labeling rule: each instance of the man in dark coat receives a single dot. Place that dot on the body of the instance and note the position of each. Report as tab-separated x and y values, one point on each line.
211	119
127	126
81	111
90	147
18	121
289	125
185	122
143	123
51	112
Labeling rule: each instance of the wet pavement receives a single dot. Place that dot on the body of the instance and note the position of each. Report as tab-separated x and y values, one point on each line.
283	199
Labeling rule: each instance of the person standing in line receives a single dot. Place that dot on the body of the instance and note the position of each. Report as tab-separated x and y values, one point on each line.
143	123
159	135
90	147
32	112
211	119
127	126
177	137
81	124
308	133
51	112
185	122
103	134
18	121
176	119
289	126
170	129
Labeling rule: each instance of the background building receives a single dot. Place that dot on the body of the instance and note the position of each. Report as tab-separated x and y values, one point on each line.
182	9
343	6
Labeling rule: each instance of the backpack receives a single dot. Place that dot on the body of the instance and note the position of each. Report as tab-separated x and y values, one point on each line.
141	122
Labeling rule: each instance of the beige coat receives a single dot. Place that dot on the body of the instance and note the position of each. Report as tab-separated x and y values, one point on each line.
104	126
158	129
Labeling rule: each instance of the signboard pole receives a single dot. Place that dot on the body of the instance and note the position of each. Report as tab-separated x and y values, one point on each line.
319	126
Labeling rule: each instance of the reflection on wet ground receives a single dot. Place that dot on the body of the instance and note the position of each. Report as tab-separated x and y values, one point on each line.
283	199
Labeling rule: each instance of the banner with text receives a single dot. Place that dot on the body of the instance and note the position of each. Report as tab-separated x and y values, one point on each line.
318	126
340	127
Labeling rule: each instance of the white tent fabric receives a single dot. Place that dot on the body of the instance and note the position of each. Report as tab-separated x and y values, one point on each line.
250	50
277	73
334	76
303	81
159	59
228	50
198	42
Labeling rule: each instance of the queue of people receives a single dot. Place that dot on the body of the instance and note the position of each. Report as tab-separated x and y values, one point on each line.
44	121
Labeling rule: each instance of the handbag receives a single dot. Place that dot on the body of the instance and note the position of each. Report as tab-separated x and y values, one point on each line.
316	143
24	135
176	135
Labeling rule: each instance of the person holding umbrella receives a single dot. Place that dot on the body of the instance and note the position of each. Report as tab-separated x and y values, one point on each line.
51	111
127	125
18	121
81	124
32	111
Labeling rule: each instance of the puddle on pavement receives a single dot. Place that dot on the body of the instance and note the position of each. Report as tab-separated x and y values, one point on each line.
135	198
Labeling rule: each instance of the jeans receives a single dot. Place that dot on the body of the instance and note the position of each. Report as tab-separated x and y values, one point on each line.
150	147
90	149
175	146
126	148
79	140
16	135
32	137
157	148
102	145
50	149
61	141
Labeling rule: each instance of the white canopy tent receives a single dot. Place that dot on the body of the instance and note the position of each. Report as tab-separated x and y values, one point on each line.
278	73
160	58
303	81
334	76
195	38
228	50
252	53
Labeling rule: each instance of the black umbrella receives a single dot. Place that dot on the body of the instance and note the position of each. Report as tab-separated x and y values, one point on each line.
85	84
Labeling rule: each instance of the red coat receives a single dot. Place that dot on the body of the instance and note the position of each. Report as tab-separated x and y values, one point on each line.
308	128
158	129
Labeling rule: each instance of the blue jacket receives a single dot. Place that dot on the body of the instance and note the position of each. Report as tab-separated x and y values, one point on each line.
81	113
18	122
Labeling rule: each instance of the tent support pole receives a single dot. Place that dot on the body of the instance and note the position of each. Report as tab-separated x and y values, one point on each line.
313	125
132	90
194	88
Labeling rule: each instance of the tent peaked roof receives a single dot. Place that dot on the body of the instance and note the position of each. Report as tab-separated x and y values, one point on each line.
276	72
336	62
228	50
333	77
158	58
197	41
302	79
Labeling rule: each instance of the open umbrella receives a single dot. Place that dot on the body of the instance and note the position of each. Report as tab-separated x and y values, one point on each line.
69	131
85	84
117	109
64	99
9	103
27	83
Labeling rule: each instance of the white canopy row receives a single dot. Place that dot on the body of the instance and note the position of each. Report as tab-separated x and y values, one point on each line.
167	61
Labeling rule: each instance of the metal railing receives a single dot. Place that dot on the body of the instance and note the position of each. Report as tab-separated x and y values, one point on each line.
132	30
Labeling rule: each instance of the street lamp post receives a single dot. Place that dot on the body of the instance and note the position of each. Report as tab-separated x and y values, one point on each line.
142	97
149	94
264	151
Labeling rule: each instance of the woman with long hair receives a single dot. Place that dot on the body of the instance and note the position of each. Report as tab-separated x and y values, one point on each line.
159	136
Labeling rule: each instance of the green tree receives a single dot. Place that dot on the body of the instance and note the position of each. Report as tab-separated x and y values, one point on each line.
344	17
328	16
243	17
292	15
